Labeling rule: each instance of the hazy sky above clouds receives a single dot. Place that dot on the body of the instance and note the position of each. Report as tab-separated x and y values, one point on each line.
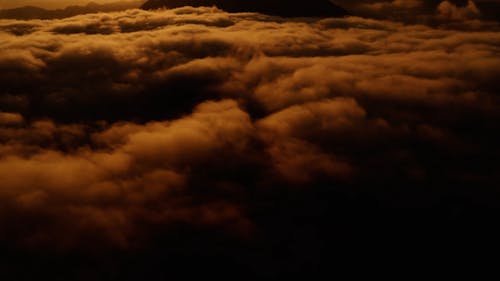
48	3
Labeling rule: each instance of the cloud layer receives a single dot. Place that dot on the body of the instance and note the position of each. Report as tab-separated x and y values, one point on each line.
431	12
115	127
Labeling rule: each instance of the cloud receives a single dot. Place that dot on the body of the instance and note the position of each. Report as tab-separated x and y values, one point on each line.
10	118
110	189
462	13
449	11
292	131
396	4
139	131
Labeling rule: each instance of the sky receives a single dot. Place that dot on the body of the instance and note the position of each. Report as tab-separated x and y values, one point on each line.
192	142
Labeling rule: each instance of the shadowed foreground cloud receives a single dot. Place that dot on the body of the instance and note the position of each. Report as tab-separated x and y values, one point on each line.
120	130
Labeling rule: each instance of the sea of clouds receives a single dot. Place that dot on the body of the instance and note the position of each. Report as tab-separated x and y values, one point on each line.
116	125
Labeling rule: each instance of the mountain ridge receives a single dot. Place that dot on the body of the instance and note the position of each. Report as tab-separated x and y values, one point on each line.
313	8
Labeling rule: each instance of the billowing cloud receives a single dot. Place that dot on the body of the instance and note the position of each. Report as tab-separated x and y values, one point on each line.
133	130
139	170
429	12
396	4
447	10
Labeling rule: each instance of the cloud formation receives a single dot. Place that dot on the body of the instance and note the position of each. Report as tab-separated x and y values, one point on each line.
116	127
429	12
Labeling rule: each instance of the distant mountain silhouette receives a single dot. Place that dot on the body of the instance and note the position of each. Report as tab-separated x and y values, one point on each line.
31	12
310	8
